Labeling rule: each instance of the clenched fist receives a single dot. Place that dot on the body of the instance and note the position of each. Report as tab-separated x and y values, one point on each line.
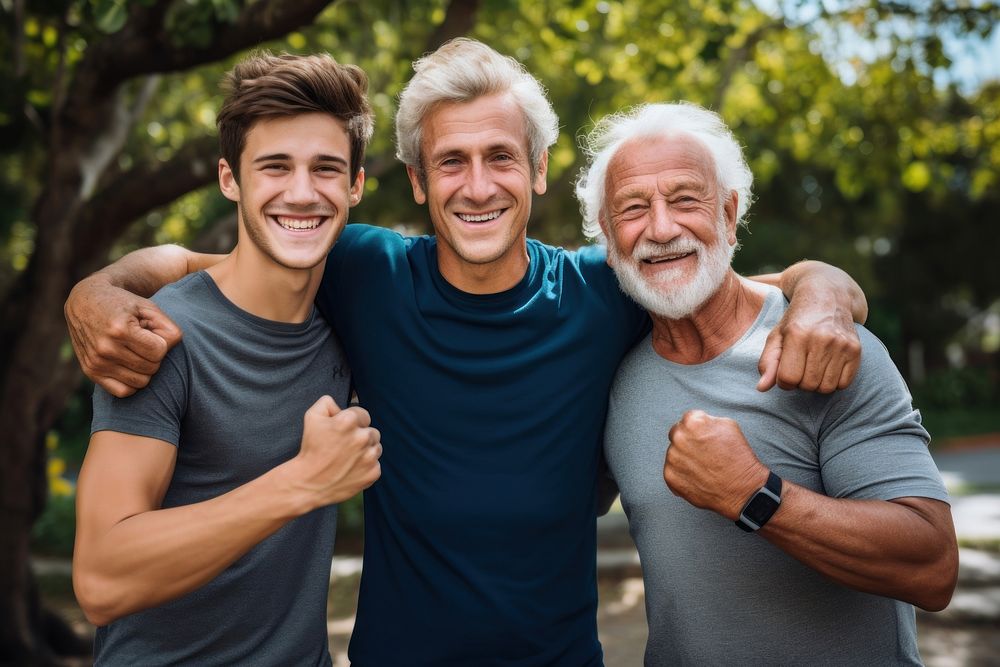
339	456
710	464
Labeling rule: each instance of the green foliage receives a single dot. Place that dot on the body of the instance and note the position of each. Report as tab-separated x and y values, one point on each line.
55	530
959	388
351	516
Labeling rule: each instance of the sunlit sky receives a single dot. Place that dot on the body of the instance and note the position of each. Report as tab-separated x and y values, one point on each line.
974	61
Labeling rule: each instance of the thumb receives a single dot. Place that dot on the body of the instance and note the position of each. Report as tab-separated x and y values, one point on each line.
324	407
769	358
153	319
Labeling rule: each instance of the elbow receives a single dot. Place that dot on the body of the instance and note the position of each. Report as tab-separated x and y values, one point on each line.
938	584
95	595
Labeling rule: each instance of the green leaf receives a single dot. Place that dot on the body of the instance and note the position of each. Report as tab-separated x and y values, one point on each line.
110	15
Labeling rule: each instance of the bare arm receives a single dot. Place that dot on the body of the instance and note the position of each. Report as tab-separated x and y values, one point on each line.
119	336
131	555
904	548
815	346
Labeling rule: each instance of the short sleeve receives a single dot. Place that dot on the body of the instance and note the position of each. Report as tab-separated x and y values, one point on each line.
872	444
155	411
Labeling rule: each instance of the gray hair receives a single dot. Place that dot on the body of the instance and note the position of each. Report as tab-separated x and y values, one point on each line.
461	71
651	120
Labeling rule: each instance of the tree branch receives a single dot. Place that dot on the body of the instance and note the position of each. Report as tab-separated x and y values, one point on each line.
143	46
459	19
137	192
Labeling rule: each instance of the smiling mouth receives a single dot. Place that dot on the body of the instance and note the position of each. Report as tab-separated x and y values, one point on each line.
480	217
298	224
667	258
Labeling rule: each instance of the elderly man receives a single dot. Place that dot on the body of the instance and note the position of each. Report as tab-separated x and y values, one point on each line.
485	360
850	513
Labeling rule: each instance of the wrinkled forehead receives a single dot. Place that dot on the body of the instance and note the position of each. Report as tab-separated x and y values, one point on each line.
668	160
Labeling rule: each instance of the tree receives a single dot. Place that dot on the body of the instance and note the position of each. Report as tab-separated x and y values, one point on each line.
107	141
79	78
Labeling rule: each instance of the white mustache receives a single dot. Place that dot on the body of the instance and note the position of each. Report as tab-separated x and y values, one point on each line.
648	249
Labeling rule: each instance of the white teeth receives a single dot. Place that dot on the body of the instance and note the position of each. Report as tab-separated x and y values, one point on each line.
480	218
657	260
298	223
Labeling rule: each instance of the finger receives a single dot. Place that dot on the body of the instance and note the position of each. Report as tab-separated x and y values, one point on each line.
791	367
360	414
848	372
374	437
831	377
144	343
129	378
153	319
769	359
111	358
114	387
324	407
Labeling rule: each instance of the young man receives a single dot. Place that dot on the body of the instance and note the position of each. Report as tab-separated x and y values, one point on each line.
851	513
485	359
206	508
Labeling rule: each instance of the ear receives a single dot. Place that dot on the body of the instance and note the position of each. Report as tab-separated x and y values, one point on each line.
357	188
543	169
227	182
729	209
602	220
419	195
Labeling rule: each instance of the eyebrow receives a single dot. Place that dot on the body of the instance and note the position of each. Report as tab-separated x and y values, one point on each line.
280	157
500	146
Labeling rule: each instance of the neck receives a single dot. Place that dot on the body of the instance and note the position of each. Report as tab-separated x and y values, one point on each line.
258	285
714	327
487	278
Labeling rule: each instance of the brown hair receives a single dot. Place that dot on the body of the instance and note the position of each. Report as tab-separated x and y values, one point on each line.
265	86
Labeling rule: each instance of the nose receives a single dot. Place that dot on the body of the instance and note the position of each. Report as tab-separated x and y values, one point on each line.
662	226
301	190
480	185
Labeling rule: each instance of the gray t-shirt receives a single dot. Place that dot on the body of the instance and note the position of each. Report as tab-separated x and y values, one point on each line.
231	396
718	596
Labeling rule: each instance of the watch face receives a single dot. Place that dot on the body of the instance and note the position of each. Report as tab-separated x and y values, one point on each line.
760	509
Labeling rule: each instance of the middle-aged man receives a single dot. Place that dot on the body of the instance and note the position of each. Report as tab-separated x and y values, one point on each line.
850	509
485	360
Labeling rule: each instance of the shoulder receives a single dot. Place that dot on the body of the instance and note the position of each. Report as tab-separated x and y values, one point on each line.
186	300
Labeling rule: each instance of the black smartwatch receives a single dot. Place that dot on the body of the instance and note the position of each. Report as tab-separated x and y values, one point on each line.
761	506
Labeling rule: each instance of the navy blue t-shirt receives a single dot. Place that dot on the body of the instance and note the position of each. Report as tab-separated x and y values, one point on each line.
480	535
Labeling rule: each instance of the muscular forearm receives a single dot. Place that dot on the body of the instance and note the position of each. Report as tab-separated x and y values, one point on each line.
156	556
145	271
903	549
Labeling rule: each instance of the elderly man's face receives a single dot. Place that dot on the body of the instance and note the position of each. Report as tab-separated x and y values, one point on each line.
479	183
670	235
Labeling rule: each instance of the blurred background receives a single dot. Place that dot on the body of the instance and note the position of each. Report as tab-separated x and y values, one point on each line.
872	128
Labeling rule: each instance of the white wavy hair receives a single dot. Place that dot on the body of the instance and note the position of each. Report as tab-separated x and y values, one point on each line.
460	71
652	120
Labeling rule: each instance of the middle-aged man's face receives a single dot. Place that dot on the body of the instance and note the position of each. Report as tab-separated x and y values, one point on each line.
669	239
295	187
479	183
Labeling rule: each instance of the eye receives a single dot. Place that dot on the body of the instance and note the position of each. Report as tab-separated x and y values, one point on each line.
275	166
632	211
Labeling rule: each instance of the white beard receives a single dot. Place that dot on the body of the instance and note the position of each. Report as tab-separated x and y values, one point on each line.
663	295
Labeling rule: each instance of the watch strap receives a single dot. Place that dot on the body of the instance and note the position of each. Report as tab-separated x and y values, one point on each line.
763	504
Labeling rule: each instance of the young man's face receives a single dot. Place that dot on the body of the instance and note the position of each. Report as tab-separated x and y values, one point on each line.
669	239
295	187
479	183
